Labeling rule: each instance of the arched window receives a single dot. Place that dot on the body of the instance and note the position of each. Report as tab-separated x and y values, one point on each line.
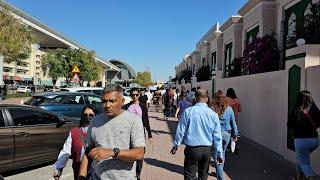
307	11
292	25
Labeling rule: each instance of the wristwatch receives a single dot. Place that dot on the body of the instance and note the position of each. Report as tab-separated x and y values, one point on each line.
116	152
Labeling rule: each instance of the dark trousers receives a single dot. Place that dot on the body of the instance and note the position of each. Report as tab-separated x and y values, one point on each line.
196	159
76	169
139	168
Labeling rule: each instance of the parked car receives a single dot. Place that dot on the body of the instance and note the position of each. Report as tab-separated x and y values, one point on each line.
30	136
24	89
65	103
95	90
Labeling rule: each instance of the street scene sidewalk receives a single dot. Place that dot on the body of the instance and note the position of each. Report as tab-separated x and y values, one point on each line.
253	162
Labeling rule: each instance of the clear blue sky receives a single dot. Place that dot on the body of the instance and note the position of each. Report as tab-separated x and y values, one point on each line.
153	34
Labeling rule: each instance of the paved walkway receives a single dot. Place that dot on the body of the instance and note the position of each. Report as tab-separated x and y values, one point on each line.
254	162
14	100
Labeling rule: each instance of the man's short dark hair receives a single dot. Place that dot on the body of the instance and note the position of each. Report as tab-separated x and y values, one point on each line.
134	89
112	88
201	93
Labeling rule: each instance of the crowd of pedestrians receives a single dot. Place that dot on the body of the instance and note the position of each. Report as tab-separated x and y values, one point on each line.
112	145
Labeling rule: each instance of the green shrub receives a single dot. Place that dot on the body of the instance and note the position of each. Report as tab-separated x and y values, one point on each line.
17	95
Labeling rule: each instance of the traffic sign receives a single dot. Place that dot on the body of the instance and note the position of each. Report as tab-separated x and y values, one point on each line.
75	78
75	69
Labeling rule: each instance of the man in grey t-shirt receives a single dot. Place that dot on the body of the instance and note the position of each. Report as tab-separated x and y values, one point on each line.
115	140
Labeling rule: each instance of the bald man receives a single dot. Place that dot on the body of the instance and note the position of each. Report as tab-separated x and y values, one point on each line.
199	129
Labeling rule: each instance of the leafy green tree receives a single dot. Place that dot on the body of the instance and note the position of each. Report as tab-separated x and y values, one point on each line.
54	64
144	78
90	69
15	38
60	62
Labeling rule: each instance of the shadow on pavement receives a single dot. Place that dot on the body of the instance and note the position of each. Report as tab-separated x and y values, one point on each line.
158	132
22	170
257	162
165	165
172	126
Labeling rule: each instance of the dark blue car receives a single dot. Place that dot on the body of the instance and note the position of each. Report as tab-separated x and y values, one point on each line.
65	103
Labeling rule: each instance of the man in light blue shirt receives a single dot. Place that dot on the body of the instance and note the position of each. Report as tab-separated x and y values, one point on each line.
199	128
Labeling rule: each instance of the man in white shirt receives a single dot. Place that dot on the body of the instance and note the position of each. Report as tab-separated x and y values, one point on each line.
150	96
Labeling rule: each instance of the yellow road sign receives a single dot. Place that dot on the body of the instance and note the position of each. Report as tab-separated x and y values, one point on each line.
75	69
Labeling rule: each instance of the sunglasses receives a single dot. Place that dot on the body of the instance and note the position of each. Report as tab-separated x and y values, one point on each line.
135	95
87	115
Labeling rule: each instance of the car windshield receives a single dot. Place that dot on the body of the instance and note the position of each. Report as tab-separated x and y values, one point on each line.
66	99
35	100
57	99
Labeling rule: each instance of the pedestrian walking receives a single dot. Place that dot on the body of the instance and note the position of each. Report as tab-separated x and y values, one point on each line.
304	121
199	128
228	127
150	96
168	99
143	97
183	104
157	98
176	96
73	145
140	110
191	95
115	140
234	102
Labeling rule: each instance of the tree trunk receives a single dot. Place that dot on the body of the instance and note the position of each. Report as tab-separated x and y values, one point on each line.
54	83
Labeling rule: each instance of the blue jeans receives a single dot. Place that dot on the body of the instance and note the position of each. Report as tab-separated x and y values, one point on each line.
219	167
304	147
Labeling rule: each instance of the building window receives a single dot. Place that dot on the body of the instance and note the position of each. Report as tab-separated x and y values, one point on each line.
252	34
5	69
227	57
214	60
308	10
204	62
294	22
193	68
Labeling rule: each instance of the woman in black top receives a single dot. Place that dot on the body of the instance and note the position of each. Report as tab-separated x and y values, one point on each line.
306	138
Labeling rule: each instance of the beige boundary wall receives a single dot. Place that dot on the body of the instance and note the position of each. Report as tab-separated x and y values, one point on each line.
204	84
264	101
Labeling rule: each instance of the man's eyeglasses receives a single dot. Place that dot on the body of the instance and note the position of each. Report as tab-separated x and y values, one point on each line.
135	95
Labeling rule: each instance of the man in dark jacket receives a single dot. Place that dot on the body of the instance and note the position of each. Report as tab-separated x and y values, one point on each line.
140	109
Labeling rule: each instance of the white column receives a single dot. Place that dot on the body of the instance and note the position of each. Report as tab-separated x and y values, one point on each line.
1	70
104	79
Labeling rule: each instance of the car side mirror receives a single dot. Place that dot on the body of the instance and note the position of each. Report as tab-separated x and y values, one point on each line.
60	123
